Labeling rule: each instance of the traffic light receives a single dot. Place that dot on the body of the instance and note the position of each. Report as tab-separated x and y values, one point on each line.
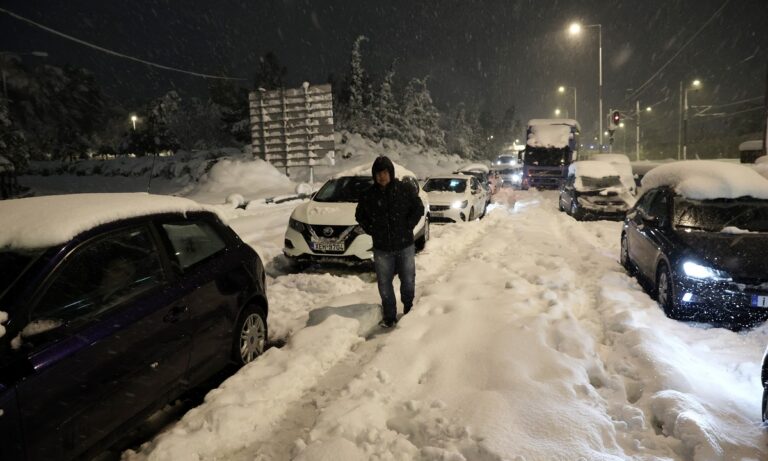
616	117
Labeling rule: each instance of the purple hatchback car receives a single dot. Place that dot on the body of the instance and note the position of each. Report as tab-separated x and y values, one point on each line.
111	305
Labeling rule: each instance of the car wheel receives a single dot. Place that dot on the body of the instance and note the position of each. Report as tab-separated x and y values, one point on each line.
626	263
422	241
560	204
664	292
249	336
576	212
485	209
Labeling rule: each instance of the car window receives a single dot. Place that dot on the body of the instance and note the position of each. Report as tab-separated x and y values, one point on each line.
193	241
658	205
643	203
101	274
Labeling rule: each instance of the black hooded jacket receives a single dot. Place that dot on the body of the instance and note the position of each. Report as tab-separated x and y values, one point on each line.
389	214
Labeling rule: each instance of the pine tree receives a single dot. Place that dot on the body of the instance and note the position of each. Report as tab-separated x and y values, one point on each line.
460	135
422	119
356	116
387	118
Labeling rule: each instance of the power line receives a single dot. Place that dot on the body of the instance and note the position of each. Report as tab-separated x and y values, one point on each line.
115	53
755	99
638	91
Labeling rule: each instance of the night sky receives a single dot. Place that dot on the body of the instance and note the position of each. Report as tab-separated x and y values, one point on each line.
489	54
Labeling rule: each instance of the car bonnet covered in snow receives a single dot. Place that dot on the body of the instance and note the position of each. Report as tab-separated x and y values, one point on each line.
40	222
707	179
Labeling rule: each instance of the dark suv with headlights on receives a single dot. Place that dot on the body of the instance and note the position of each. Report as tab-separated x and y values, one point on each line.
703	259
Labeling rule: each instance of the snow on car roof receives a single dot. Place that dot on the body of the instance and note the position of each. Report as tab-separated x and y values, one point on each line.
707	179
40	222
554	121
365	170
475	167
592	169
450	176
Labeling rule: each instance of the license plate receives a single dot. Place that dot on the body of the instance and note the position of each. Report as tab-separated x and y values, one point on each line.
437	214
759	301
320	246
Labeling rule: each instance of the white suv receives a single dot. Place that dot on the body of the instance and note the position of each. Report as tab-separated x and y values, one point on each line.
455	198
325	229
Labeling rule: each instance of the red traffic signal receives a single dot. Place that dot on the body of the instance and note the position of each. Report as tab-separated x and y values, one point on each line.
616	117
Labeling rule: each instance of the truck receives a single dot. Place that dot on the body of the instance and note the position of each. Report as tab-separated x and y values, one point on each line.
551	146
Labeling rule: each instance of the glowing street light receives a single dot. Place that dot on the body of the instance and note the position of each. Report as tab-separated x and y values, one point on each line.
557	112
683	146
133	120
575	29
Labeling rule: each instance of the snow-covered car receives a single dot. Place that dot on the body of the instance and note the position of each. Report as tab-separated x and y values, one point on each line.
111	306
593	190
623	166
325	229
509	176
698	237
482	173
455	198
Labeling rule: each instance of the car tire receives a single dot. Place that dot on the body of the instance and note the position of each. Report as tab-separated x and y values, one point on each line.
560	205
664	292
249	337
421	242
576	212
624	259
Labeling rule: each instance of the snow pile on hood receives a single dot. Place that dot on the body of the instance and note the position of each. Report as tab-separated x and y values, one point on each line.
549	136
40	222
250	178
706	179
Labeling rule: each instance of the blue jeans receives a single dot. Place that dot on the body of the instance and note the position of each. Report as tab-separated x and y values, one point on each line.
385	263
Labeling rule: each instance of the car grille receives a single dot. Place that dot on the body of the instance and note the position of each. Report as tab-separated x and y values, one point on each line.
330	234
438	207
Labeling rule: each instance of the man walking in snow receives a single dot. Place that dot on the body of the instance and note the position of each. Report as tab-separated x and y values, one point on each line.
388	212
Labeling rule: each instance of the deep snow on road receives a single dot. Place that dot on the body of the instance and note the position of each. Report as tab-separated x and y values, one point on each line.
527	342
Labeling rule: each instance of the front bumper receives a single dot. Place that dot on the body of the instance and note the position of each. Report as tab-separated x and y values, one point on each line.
592	210
447	214
355	248
720	302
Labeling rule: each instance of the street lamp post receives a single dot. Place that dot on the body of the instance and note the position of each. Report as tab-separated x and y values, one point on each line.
574	30
695	85
575	110
133	120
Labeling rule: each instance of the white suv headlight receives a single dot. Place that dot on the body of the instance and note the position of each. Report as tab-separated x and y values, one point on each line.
460	205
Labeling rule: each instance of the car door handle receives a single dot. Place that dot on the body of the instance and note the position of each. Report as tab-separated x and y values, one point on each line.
176	313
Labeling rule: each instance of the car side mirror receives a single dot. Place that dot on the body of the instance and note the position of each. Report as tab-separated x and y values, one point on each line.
650	220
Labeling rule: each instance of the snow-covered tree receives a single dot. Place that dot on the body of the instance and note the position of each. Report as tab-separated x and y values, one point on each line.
386	114
355	110
422	119
460	134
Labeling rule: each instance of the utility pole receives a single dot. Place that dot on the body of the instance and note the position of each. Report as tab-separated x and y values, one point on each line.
637	130
680	124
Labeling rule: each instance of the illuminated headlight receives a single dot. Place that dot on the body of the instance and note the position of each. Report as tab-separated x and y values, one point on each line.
296	225
517	177
460	205
697	271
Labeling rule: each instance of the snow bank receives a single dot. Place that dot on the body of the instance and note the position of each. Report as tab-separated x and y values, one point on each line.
706	179
365	170
39	222
251	178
